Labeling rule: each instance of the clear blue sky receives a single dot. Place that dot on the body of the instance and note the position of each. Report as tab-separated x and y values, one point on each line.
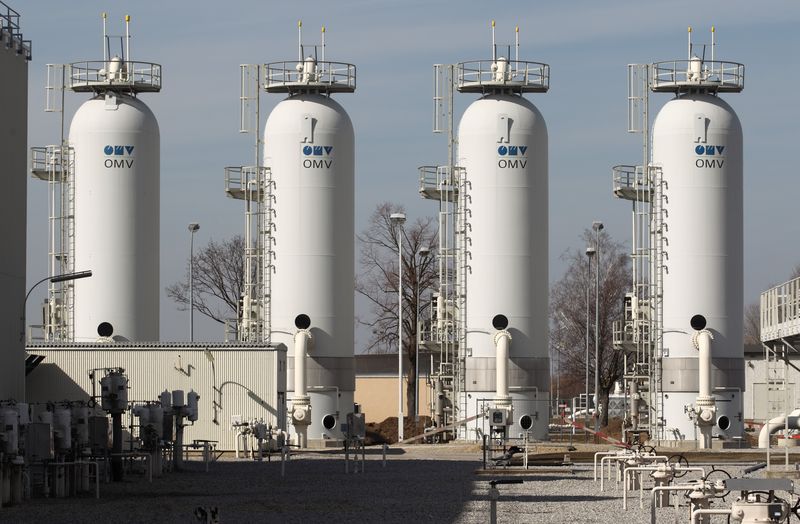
393	44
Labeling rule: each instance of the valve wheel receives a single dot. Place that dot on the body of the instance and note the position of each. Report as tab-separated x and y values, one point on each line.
718	474
678	460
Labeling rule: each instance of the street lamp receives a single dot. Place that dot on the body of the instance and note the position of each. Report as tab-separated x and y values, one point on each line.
597	226
590	251
423	254
57	278
398	219
193	227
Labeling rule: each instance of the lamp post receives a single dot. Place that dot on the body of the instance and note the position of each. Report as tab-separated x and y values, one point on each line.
398	219
597	226
57	278
589	253
193	227
423	254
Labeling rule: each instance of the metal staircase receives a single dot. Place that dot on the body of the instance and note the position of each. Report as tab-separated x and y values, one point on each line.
449	187
253	185
639	332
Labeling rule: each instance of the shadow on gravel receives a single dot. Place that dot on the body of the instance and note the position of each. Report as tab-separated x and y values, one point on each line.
484	478
313	490
547	498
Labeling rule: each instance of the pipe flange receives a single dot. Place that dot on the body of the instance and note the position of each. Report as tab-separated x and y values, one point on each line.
704	402
305	332
500	334
696	336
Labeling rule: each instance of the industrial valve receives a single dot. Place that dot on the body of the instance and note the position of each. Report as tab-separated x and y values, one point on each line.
301	413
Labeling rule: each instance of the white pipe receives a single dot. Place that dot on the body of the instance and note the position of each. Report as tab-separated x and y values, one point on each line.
677	469
302	341
776	424
700	512
502	342
703	343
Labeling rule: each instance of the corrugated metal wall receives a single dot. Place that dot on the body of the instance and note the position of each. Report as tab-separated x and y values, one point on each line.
250	383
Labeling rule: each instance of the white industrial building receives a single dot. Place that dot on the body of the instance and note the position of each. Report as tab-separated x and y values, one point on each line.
235	382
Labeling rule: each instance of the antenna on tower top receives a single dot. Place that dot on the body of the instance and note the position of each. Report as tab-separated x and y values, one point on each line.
494	47
300	40
105	37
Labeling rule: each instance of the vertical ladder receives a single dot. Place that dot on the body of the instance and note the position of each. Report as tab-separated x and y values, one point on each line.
777	388
656	291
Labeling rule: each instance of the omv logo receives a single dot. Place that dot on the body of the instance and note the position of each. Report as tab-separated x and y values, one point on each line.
512	157
703	152
512	150
322	157
709	150
118	150
124	152
317	150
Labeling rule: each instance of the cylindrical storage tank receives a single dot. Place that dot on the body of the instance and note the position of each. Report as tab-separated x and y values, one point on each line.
192	405
10	431
80	419
178	398
309	147
502	145
62	428
116	144
157	419
697	143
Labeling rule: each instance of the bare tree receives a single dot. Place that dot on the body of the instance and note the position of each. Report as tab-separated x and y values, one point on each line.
218	280
752	323
568	311
377	281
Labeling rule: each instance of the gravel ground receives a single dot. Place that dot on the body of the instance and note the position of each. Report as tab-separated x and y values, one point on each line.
418	484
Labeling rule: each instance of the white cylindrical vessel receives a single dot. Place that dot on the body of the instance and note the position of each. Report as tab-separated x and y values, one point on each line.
697	143
502	145
115	138
309	148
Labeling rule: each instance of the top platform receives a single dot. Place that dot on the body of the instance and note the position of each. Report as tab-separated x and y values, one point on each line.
10	33
518	76
114	75
695	74
309	76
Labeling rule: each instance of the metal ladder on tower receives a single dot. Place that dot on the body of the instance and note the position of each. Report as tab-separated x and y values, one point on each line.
658	257
777	390
68	241
462	267
265	247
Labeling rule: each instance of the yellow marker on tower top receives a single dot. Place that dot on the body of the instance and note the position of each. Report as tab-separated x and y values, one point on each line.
299	23
492	23
516	29
690	29
712	28
104	15
127	18
323	29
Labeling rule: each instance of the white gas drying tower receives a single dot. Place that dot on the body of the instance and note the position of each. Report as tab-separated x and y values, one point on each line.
300	200
105	204
502	148
697	144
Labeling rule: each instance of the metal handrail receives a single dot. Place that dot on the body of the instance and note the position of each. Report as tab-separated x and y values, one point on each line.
715	75
326	76
9	23
516	75
780	311
94	74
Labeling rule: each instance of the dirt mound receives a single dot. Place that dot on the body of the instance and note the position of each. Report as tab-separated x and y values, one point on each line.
386	432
